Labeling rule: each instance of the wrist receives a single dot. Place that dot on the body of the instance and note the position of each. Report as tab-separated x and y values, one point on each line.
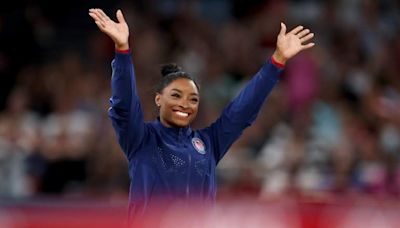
278	58
122	47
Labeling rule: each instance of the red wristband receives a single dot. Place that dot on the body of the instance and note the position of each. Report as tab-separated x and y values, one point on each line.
127	51
276	63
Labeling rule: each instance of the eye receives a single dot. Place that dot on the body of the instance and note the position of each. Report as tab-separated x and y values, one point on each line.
195	100
175	95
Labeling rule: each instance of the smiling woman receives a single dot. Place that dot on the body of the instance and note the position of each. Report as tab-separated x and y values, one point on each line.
177	97
168	161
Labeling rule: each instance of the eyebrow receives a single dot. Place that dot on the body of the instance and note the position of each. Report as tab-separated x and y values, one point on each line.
180	91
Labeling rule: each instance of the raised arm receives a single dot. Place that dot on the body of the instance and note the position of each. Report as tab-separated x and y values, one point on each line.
243	110
125	111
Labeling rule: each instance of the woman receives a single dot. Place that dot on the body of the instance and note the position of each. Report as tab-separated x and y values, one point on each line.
167	159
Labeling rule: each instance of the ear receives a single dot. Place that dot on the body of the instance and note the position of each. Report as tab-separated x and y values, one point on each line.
157	99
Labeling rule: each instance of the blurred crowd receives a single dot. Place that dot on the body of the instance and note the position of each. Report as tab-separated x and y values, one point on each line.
331	125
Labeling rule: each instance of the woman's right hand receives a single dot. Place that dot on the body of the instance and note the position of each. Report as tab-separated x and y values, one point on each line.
117	31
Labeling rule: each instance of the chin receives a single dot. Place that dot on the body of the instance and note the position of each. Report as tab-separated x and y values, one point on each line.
180	123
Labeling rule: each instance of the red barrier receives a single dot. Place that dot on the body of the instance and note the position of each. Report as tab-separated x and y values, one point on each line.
251	213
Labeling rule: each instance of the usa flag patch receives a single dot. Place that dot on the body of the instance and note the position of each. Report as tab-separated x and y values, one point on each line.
198	144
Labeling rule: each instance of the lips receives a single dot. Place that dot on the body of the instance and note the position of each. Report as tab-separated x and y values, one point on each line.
181	114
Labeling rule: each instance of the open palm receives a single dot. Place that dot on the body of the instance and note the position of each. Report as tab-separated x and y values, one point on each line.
291	43
117	31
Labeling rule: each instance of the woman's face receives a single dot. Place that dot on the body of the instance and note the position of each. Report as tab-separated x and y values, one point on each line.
178	103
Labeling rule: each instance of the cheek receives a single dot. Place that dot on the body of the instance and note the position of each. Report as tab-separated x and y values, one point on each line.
166	110
195	110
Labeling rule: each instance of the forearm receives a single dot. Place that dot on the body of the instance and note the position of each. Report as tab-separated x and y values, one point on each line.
242	111
123	80
126	112
245	107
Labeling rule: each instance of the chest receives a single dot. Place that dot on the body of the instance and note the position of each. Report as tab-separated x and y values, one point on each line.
184	156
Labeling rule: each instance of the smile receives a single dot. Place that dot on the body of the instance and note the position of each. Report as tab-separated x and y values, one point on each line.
182	114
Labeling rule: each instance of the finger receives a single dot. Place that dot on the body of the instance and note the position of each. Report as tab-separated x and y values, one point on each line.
103	15
95	13
296	30
96	19
120	16
303	33
307	46
306	38
100	25
94	16
283	29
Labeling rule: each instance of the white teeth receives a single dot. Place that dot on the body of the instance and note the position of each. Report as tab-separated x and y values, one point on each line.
183	114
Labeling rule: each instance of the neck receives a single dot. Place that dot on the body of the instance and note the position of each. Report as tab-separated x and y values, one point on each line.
173	131
169	125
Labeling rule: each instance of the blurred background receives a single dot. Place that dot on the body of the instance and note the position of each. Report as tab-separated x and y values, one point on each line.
329	132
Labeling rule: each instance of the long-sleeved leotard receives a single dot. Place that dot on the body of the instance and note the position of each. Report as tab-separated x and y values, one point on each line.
178	163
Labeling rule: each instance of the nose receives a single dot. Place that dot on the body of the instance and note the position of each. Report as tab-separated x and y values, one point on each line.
184	103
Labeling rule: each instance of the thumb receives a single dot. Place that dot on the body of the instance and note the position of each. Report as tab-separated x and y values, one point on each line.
120	16
283	29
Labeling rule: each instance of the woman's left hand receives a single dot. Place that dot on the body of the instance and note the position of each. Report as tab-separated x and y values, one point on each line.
291	43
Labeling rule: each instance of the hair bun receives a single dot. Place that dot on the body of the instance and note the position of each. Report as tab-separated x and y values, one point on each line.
170	68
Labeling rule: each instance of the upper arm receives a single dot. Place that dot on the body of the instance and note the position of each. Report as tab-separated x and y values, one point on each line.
125	109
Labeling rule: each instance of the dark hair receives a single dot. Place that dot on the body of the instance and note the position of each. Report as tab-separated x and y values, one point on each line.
170	72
